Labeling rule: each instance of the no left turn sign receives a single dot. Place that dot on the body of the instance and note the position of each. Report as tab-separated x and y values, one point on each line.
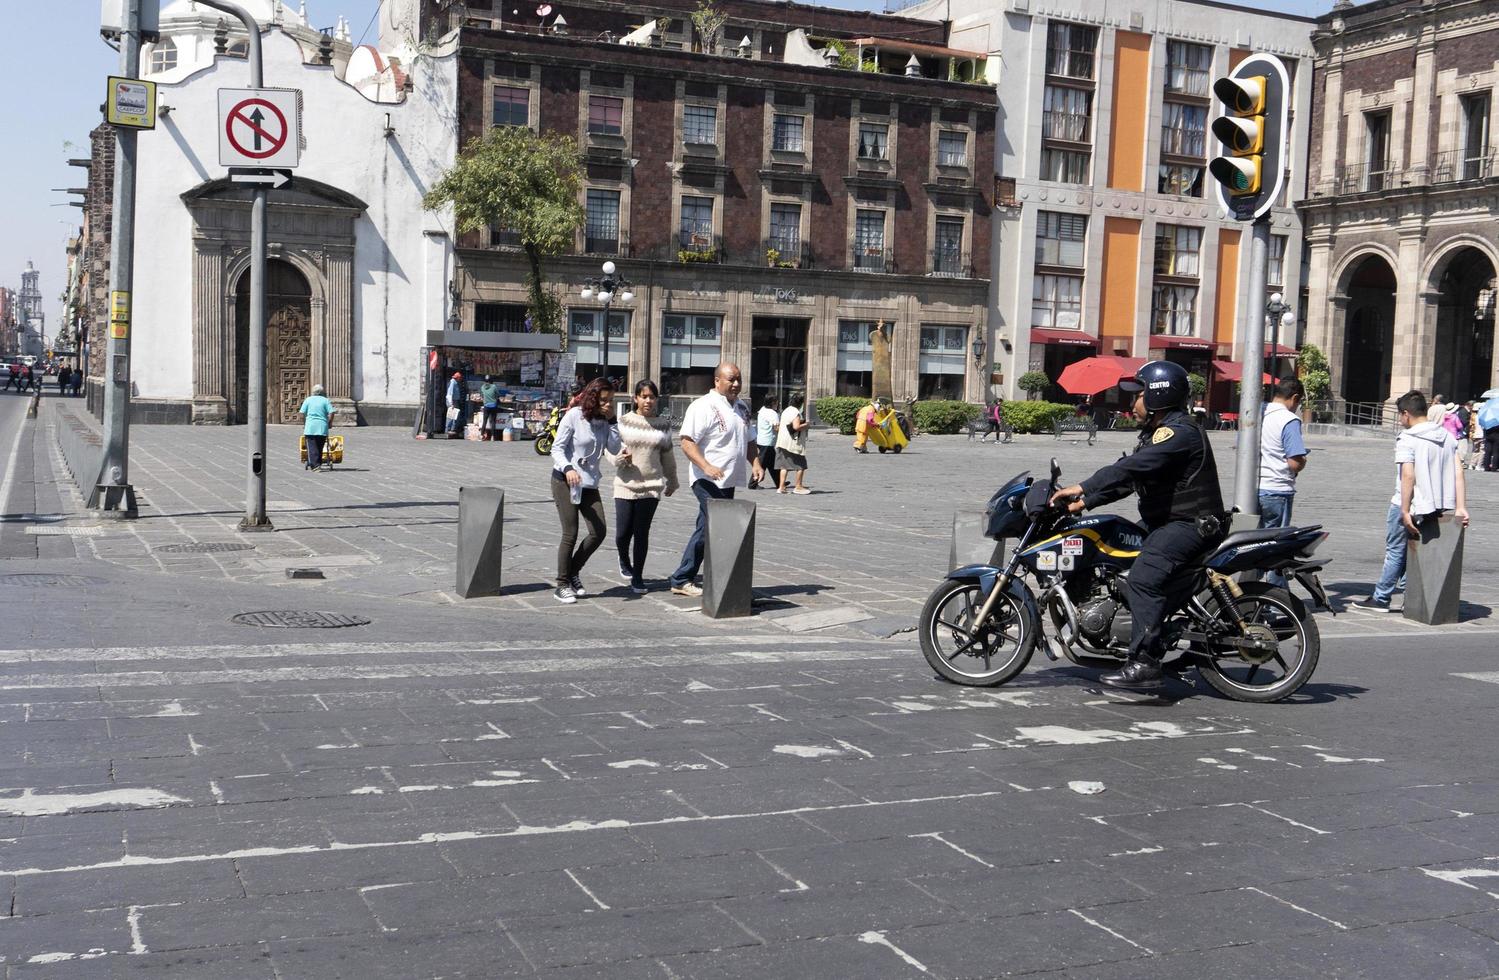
259	127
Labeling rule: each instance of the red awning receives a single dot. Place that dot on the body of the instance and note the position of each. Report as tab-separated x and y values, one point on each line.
1072	338
1163	341
1279	350
1234	371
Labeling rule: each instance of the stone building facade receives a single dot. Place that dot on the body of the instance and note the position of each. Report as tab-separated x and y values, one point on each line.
770	207
1400	212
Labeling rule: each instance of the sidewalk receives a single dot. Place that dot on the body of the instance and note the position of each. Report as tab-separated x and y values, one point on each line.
862	551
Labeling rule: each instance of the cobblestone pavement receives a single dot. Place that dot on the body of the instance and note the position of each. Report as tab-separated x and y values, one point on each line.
624	789
864	548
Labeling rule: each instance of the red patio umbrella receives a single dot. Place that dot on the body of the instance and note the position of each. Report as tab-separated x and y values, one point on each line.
1092	375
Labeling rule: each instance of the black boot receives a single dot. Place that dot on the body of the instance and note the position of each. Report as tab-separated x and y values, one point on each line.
1140	674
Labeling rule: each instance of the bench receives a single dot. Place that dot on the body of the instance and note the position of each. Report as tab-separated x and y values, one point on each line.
983	426
1060	427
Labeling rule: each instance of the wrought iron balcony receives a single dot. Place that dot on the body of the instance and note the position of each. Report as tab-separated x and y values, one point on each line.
874	258
699	247
786	253
604	243
1454	165
1364	177
950	263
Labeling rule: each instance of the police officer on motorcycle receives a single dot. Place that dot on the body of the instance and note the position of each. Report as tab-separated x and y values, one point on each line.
1181	506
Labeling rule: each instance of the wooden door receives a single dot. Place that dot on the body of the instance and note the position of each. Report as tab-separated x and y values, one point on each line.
289	362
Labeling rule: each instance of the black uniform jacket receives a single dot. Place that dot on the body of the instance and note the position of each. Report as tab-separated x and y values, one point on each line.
1172	469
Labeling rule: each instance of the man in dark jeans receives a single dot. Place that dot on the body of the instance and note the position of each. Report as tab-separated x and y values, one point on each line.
718	441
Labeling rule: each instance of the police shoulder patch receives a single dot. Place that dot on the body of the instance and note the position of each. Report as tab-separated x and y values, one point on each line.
1162	434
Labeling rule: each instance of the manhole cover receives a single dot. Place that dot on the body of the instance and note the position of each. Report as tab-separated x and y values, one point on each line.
202	547
298	619
46	580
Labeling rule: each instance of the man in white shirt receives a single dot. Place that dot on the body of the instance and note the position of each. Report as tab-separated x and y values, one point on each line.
719	444
1428	483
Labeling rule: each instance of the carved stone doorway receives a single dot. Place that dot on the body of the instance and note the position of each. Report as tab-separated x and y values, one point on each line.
288	335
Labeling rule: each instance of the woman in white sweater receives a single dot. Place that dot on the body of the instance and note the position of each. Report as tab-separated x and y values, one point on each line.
586	432
646	470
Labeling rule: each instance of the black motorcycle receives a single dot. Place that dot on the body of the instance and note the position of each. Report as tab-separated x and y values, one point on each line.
1251	641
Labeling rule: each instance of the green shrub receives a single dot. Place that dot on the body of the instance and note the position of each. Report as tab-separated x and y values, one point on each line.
1197	385
1311	359
839	412
1035	416
1033	382
945	417
1318	384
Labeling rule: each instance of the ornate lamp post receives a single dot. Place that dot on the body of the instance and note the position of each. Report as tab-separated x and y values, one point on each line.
1278	312
607	287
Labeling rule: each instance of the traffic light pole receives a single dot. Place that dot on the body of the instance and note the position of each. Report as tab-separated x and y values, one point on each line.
113	496
1251	387
255	518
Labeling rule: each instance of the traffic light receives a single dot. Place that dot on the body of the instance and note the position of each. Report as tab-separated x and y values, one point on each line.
1252	131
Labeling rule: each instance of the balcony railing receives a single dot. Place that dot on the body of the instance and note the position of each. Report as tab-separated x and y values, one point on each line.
1454	165
1071	126
786	253
950	263
874	258
1365	177
699	247
605	242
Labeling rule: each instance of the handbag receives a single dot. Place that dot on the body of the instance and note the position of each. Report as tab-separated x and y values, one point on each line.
453	414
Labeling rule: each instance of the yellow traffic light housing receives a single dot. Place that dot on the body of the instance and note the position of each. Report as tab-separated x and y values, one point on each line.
1242	96
1240	176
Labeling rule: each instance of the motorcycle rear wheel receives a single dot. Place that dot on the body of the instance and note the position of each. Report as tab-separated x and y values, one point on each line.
998	651
543	444
1299	643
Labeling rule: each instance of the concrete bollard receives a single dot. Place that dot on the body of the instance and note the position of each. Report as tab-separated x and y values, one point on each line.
969	546
481	536
1434	572
729	559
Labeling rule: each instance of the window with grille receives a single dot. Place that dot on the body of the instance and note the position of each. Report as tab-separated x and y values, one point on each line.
952	149
1275	261
874	141
1069	50
512	106
697	222
601	229
1064	166
585	330
1061	239
1056	302
786	229
1183	129
1177	249
699	124
947	255
1174	310
606	115
869	240
786	132
942	362
1067	114
1188	67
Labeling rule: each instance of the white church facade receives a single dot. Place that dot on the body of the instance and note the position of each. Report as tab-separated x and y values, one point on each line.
357	272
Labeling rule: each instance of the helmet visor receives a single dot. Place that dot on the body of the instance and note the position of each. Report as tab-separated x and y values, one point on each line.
1131	385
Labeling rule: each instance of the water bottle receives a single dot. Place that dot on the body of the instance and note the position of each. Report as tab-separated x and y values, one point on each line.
577	488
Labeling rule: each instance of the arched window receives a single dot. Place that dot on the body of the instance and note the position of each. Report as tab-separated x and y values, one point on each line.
163	56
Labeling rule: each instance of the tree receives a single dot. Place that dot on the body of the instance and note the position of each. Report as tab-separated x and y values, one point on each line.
1315	378
1033	382
527	184
709	21
1197	385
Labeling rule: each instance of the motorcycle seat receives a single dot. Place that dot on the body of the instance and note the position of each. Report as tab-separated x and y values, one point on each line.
1252	536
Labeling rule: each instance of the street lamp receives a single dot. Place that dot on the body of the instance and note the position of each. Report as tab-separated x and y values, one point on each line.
607	288
1278	312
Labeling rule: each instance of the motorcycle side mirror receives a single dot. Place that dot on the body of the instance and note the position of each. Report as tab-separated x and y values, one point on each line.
1056	471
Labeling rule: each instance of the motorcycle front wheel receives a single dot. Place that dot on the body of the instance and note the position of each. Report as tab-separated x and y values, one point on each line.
1269	612
983	657
543	444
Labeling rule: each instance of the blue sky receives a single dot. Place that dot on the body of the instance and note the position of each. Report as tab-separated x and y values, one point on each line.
54	66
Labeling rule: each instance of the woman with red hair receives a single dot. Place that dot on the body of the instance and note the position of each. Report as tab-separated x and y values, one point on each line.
584	434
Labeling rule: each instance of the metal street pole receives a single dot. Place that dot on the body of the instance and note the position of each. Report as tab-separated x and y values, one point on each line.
255	518
113	496
1251	385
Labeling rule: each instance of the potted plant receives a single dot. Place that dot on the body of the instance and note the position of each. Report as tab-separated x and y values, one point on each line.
1033	383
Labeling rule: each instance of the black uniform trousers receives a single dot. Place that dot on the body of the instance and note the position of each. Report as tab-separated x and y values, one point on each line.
1155	587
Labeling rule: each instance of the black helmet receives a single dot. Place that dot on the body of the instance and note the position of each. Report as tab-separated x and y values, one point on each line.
1164	383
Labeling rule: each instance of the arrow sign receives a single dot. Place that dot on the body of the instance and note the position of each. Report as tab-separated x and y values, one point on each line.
274	179
258	118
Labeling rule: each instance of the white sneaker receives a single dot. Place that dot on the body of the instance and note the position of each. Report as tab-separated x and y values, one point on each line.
564	595
577	587
686	588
